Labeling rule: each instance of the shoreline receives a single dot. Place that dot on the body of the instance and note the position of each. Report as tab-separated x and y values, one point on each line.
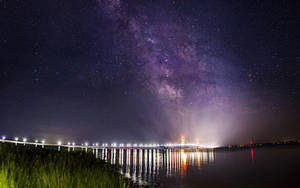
257	145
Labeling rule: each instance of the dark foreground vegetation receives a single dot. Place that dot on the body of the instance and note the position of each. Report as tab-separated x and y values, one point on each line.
27	166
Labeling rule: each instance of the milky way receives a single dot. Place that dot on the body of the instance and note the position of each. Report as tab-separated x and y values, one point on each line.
190	83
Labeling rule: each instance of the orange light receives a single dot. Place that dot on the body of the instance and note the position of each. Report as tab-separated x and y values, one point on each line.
184	163
198	158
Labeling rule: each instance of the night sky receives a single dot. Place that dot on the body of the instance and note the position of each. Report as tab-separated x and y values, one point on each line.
150	70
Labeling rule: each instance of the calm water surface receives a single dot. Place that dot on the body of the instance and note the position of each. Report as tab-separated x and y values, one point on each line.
262	167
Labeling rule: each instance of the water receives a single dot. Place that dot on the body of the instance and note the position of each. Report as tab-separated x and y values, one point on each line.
262	167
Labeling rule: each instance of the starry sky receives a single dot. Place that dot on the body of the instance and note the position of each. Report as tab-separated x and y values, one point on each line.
222	72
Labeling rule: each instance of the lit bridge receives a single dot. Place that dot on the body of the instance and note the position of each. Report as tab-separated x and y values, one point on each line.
95	146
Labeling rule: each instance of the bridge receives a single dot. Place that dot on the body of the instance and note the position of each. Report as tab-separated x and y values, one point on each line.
95	146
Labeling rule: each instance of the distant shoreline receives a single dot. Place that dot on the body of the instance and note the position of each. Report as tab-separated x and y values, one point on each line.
258	145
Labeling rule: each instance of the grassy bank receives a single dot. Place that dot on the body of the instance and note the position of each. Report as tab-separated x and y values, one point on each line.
27	166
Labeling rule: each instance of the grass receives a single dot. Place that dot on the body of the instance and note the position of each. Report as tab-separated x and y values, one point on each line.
27	166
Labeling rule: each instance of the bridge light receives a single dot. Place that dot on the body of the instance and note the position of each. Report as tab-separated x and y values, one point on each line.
36	142
16	139
73	144
97	144
141	145
134	145
3	138
128	145
43	142
58	143
69	144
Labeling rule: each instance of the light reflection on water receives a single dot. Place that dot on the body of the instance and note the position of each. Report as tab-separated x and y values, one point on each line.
149	165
